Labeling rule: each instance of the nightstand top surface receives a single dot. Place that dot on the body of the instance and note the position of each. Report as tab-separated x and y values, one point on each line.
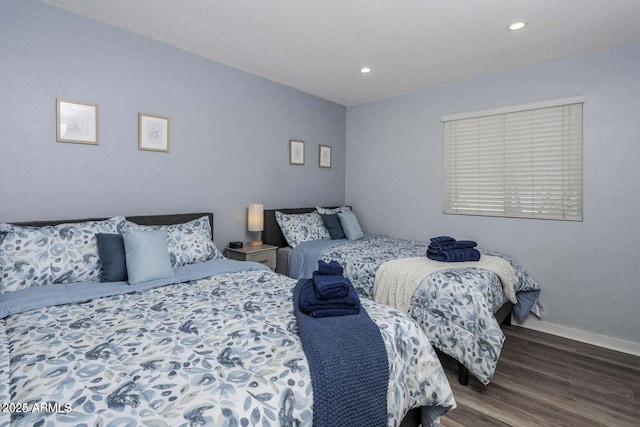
247	249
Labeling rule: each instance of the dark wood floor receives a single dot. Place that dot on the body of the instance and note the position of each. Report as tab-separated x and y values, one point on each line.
545	380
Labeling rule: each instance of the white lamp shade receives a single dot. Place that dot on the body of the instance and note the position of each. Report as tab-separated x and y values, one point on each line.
255	217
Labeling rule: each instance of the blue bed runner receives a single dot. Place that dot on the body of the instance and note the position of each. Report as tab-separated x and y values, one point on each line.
348	366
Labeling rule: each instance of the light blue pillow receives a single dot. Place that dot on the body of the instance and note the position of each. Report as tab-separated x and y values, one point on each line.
147	256
188	243
350	225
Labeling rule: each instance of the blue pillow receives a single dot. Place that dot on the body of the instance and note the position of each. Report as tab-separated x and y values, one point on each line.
114	264
332	222
147	256
350	225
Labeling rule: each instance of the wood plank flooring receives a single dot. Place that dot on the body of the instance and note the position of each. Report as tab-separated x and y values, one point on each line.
545	380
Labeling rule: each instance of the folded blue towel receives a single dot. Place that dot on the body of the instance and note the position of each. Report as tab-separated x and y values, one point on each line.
331	268
328	287
458	244
318	307
463	244
442	239
455	255
436	247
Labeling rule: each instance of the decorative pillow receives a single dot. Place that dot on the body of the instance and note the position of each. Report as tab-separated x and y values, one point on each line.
327	211
114	264
332	222
298	228
350	225
188	243
64	253
147	255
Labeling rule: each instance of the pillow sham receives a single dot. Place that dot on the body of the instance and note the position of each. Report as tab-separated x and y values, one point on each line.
111	251
350	225
64	253
327	211
298	228
332	222
147	255
188	243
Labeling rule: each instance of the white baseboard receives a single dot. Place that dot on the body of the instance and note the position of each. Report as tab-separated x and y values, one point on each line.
582	336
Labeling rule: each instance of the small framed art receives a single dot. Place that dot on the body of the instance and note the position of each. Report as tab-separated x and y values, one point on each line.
296	152
153	133
324	156
76	122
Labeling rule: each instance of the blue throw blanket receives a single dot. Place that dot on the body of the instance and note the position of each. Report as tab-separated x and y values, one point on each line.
348	366
313	305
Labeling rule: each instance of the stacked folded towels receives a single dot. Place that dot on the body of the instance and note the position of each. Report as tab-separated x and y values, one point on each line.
329	293
448	249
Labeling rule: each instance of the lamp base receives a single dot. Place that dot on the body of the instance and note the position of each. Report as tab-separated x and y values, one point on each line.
255	243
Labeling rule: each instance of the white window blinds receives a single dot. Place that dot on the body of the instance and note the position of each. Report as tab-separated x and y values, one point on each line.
524	163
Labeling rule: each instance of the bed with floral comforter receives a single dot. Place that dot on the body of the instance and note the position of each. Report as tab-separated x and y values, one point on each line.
176	335
221	350
455	307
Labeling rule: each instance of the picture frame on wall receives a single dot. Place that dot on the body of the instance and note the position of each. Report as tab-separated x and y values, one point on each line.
296	152
153	133
76	122
324	156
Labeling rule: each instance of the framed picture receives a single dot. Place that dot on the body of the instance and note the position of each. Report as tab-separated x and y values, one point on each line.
324	156
153	133
76	122
296	152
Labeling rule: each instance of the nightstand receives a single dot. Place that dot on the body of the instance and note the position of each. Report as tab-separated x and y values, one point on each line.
265	254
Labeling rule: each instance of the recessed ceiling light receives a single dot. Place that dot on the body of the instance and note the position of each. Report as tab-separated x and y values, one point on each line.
517	26
365	70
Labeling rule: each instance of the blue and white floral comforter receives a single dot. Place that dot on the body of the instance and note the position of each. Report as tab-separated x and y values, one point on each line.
454	307
220	351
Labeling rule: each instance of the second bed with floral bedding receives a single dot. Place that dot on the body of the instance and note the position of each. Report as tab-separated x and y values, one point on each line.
455	307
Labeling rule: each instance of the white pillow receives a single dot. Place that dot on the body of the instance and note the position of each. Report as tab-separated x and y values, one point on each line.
327	211
64	253
298	228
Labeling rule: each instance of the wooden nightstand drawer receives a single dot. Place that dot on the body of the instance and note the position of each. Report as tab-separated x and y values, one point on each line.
264	254
267	258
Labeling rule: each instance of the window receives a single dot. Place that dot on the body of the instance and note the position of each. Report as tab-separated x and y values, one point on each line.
523	162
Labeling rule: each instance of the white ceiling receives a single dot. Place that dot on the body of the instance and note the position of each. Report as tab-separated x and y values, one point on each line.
319	46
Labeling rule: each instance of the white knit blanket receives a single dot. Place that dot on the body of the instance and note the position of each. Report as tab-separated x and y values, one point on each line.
397	280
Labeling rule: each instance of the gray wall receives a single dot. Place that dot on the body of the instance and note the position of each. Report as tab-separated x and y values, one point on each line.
229	136
589	271
229	129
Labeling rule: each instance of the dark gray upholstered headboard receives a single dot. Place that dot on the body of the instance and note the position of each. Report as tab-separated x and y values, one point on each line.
140	219
272	235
